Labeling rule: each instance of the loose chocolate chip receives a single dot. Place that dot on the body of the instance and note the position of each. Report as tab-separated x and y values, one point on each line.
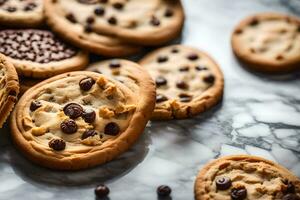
101	191
160	81
73	110
182	85
57	144
11	9
254	22
112	129
89	133
154	21
112	20
99	11
69	126
185	98
162	59
291	197
90	20
223	183
209	79
184	69
238	193
86	84
35	105
114	64
118	6
193	56
174	50
71	18
163	191
160	98
200	68
89	115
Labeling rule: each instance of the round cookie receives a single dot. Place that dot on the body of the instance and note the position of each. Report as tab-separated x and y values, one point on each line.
80	119
39	53
120	70
245	177
21	13
268	42
188	81
9	88
65	18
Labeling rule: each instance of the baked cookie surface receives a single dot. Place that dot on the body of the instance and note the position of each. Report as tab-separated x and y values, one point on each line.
9	88
39	53
73	21
21	13
80	119
245	177
268	42
188	81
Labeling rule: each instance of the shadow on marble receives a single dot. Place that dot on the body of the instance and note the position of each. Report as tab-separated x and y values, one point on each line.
108	172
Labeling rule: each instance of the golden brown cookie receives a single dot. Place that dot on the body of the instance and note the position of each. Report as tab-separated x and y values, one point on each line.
188	81
268	42
21	13
80	119
71	21
9	88
39	53
246	177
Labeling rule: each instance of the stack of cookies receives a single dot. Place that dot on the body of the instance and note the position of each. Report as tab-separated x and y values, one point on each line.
75	114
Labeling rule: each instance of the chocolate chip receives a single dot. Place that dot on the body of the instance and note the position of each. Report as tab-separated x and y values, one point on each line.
86	84
290	197
71	18
118	5
169	13
112	20
88	28
174	50
193	57
2	2
238	193
73	110
90	20
88	133
88	1
162	59
185	98
254	22
200	68
290	188
103	1
11	9
112	129
160	98
99	11
35	105
69	126
101	191
57	144
223	183
182	85
30	7
160	81
114	64
163	191
210	78
89	115
184	69
154	21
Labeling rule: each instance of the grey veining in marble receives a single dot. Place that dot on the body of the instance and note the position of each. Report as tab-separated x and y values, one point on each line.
259	115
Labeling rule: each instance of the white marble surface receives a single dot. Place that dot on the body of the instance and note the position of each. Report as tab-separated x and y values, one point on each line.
259	115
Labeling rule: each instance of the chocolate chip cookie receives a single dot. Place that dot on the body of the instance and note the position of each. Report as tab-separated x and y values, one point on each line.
246	177
120	70
39	53
21	13
74	21
188	81
268	42
80	119
9	88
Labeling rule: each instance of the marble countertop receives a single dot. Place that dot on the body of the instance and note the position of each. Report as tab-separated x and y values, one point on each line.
259	115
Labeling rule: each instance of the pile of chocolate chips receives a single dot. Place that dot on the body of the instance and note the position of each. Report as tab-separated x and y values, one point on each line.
34	45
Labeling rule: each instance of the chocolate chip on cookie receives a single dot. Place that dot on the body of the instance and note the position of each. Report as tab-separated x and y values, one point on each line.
238	193
35	105
182	85
185	98
69	126
57	144
86	84
88	133
88	1
73	110
163	191
118	5
71	18
200	68
115	64
89	115
112	20
99	11
169	12
193	56
162	59
160	98
112	129
223	183
154	21
160	81
209	78
184	69
101	191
